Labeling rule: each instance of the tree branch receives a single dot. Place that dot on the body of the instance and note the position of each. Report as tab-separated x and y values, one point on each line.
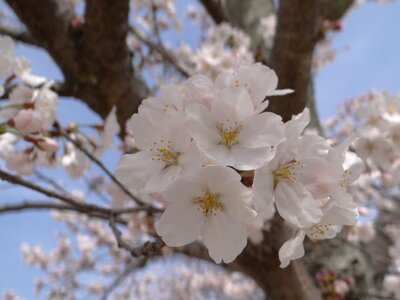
144	205
80	206
168	56
19	35
215	10
147	249
48	23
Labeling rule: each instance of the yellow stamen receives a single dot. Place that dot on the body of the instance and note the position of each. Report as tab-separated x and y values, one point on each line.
286	172
209	204
165	154
229	136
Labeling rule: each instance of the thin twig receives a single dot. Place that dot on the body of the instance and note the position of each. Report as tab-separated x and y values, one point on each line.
75	204
167	55
19	35
144	205
52	182
147	249
121	277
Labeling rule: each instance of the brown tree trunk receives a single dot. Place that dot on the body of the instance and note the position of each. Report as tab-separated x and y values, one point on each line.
261	263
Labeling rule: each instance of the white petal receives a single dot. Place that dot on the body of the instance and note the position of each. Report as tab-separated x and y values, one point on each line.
319	176
232	104
296	205
183	189
221	155
180	224
292	249
263	187
249	158
218	177
262	130
280	92
159	181
224	237
202	127
296	125
134	169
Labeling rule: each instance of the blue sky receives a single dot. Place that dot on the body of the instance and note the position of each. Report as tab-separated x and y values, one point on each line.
371	61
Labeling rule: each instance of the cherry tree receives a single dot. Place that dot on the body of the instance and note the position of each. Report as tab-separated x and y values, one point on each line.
225	178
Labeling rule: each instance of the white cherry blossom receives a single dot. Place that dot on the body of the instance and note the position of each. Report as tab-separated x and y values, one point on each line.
166	151
212	204
231	132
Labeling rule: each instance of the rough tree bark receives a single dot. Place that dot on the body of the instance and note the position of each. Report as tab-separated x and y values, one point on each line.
92	53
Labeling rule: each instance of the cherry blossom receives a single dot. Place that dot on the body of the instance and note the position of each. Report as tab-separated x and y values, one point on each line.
211	203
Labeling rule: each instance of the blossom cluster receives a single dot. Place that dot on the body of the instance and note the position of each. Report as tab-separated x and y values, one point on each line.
376	118
29	115
199	142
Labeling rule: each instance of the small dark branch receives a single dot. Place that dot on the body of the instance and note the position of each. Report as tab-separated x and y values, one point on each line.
143	205
295	40
19	35
52	182
147	249
121	277
215	10
75	204
14	179
34	206
27	206
159	47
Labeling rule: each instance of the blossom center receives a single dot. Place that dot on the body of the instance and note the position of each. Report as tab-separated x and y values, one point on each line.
345	181
166	154
318	231
229	134
209	204
287	172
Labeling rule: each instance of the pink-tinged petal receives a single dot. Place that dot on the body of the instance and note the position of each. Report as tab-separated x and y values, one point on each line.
297	124
319	176
263	188
266	129
292	249
180	224
199	89
145	131
261	107
296	205
218	177
249	158
221	155
232	104
259	80
183	189
353	166
192	159
224	237
237	203
202	127
280	92
338	153
134	169
159	181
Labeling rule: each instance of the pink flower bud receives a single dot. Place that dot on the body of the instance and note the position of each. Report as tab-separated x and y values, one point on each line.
28	121
47	144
